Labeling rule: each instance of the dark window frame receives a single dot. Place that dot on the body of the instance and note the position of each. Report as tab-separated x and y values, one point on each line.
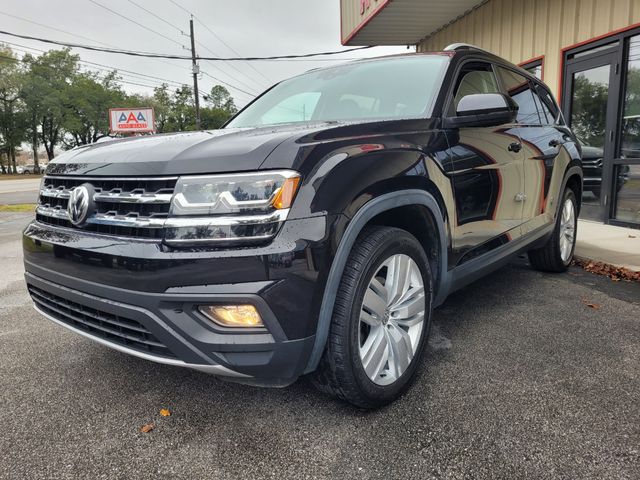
531	87
534	62
620	52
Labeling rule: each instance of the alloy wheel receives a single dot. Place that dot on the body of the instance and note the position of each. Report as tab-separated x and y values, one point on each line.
567	230
391	319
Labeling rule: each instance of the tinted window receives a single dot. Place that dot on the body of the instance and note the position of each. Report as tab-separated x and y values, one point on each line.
519	89
474	78
400	87
297	108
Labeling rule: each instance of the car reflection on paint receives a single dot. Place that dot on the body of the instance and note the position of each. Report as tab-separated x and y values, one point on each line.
592	163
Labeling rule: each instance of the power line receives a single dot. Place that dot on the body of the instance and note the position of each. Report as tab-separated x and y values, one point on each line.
135	23
109	67
76	35
172	25
66	32
176	57
55	29
159	83
157	16
252	95
233	50
269	81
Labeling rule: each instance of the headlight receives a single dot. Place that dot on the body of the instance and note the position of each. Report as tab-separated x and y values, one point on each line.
236	208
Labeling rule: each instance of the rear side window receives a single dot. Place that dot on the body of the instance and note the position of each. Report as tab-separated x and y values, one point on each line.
520	90
474	78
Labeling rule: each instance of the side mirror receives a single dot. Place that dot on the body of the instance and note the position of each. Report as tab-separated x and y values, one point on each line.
483	110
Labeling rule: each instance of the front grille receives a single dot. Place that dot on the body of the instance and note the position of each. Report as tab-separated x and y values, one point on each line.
127	207
113	328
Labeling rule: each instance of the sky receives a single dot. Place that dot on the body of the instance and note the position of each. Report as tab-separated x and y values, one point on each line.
222	28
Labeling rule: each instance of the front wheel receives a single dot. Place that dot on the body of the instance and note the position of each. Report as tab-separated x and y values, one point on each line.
380	321
557	253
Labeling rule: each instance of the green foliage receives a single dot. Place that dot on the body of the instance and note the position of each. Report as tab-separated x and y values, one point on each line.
220	99
87	119
12	119
588	113
48	101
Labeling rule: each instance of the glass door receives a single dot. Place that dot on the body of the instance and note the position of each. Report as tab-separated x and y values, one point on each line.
590	106
626	177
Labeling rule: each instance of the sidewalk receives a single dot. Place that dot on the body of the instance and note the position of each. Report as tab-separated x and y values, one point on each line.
608	244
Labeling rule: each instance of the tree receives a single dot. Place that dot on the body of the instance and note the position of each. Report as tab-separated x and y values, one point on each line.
213	118
220	98
90	98
12	120
47	94
161	103
182	115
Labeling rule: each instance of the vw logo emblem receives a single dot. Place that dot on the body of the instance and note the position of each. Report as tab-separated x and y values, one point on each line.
80	204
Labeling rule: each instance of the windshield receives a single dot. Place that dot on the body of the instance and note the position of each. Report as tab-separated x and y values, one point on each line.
392	88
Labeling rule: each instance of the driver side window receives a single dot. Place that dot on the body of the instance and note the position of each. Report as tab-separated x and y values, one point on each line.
475	77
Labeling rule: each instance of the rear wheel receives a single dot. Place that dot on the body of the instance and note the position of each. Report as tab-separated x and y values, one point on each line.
557	253
380	321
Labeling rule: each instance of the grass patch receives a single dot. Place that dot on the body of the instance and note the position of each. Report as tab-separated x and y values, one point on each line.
12	176
20	207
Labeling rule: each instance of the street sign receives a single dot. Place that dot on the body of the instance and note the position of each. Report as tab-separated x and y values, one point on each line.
131	120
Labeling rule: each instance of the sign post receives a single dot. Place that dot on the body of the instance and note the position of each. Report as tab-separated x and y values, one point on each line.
131	120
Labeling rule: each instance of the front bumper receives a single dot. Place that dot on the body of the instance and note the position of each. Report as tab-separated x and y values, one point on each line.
142	299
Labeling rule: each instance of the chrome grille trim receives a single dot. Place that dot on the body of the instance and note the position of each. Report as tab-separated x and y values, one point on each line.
133	197
113	197
105	219
127	207
172	222
111	179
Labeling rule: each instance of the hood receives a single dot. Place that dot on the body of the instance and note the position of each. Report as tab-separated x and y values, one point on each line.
174	154
591	153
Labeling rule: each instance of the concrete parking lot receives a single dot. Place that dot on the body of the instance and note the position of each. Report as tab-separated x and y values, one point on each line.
523	379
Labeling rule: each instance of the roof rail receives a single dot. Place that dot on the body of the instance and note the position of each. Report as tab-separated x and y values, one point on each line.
465	46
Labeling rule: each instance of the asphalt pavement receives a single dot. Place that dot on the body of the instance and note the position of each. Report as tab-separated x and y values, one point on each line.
523	379
16	191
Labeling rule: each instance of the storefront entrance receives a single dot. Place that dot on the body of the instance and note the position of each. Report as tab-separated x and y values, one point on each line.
601	102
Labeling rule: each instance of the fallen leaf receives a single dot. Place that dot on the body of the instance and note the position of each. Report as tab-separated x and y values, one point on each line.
165	412
595	306
614	273
147	428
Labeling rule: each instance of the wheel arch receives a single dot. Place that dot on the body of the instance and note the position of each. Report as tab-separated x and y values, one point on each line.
573	180
369	211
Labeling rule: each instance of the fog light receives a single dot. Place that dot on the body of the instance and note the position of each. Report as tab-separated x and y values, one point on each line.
233	315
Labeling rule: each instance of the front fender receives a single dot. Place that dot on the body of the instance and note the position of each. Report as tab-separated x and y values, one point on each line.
369	210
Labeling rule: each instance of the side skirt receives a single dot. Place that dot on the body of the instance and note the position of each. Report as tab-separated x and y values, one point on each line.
472	270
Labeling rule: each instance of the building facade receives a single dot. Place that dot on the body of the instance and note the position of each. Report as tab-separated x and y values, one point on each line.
587	51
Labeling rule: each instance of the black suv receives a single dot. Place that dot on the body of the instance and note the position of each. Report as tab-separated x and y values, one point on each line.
314	233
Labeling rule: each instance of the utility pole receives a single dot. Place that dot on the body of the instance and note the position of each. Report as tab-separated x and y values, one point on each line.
196	71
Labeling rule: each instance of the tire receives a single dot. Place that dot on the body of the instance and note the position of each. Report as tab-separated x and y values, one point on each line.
552	257
342	373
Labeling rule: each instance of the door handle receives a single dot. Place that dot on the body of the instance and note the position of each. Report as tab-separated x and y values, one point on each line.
515	147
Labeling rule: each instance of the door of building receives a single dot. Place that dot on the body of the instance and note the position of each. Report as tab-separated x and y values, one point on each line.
601	103
590	105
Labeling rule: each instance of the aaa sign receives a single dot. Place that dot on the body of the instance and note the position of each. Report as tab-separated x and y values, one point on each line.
131	120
